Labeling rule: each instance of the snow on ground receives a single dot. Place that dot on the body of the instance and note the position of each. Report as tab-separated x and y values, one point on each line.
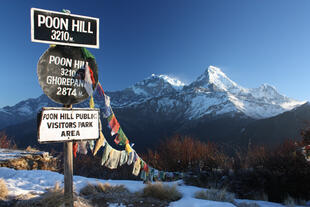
188	199
37	181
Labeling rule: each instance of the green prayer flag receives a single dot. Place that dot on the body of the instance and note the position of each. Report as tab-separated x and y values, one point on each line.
87	54
121	137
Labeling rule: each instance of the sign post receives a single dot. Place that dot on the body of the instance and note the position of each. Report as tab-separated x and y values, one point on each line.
68	172
65	125
67	76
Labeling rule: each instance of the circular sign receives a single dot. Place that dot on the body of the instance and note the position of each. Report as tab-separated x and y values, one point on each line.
67	75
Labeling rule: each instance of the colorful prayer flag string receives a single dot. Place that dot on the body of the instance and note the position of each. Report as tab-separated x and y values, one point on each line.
112	158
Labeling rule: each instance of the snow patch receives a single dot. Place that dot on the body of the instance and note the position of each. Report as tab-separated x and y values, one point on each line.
25	109
201	104
20	182
293	104
4	111
167	102
139	91
176	83
151	85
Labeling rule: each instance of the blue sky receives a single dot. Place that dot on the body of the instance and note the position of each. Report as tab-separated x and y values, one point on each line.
252	41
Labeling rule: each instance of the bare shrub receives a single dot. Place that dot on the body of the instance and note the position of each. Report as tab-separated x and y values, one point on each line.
6	142
255	157
305	136
3	190
162	192
286	171
289	202
215	195
182	153
53	197
276	172
31	149
91	189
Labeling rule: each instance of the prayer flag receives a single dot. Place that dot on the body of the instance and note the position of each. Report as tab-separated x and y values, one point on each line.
113	123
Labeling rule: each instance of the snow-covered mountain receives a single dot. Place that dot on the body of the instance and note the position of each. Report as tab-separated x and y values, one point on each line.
151	87
212	93
257	103
160	106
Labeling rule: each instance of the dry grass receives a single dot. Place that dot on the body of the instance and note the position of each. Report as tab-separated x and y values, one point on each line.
53	197
3	190
291	202
91	189
161	192
215	195
31	149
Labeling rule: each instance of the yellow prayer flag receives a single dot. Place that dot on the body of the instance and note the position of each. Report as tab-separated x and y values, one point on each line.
99	143
128	148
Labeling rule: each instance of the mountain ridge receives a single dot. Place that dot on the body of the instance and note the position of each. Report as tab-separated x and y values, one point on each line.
211	93
160	106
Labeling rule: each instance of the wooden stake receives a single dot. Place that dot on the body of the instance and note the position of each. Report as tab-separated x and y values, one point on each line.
68	172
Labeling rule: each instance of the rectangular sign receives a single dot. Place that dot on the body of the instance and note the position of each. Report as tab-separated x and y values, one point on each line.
65	124
64	29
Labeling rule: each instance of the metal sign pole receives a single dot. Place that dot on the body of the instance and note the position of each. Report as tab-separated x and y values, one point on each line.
68	172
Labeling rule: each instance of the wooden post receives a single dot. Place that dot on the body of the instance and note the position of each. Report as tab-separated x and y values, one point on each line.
68	172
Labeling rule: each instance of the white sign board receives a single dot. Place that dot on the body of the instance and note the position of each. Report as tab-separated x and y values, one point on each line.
65	124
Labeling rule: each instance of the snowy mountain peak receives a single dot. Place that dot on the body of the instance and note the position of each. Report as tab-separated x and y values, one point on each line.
215	71
267	91
219	79
266	88
262	102
157	85
176	83
214	78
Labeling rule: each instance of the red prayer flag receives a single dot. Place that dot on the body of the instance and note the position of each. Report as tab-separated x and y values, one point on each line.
114	125
100	89
116	140
91	75
145	168
75	148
